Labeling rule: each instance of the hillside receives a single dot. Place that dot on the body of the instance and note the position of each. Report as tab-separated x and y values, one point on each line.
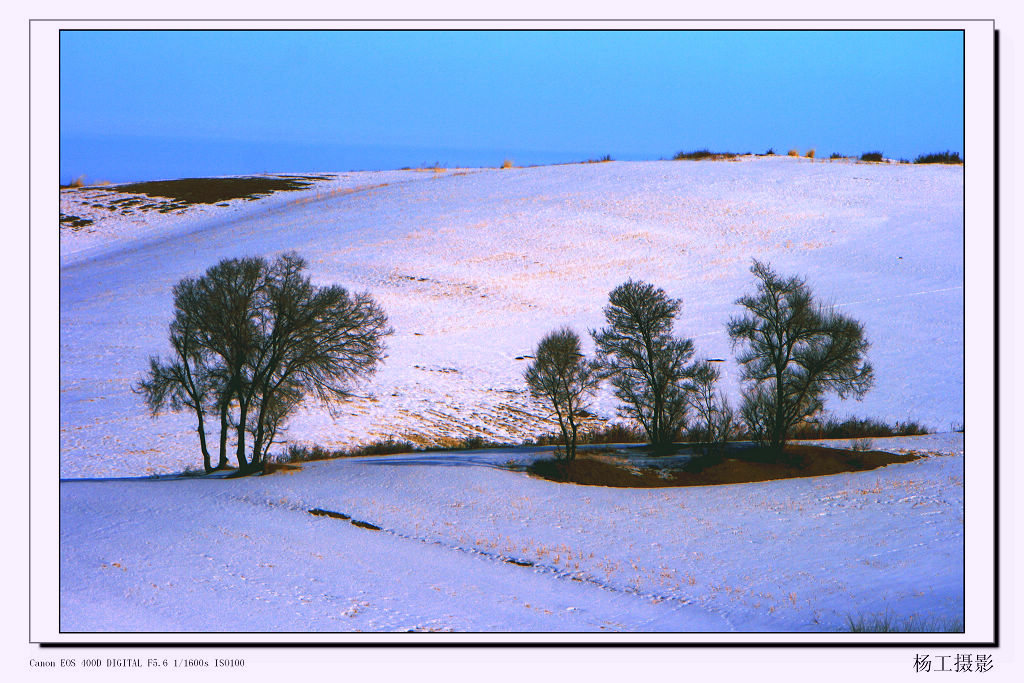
473	266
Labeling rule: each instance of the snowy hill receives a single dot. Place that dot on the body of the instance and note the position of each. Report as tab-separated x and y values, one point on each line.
473	266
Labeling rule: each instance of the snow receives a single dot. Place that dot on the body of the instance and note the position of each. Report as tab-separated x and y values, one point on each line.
473	266
245	555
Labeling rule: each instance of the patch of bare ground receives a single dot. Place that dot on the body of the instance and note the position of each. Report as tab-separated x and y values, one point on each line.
734	466
187	191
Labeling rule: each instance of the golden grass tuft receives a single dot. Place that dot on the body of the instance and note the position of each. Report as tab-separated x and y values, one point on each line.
793	153
810	154
507	163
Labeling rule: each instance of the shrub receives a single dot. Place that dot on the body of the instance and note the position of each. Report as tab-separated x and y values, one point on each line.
300	453
507	163
770	152
810	154
793	153
610	433
387	447
871	156
613	433
946	157
853	428
861	445
297	453
836	155
701	154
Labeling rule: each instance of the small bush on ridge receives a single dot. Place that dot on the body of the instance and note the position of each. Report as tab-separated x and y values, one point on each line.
700	154
946	157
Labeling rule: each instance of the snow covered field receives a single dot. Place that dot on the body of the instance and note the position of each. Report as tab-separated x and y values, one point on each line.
465	545
473	266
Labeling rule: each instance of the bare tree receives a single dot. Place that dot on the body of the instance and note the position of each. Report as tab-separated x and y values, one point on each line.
184	382
793	352
252	339
716	420
219	308
311	340
647	365
564	378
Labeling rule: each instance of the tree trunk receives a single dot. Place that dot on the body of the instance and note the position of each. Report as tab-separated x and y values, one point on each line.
572	424
201	428
243	410
223	460
257	444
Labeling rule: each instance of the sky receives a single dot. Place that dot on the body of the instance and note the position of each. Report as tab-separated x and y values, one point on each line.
143	105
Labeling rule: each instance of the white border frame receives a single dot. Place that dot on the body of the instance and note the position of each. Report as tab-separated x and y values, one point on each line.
979	342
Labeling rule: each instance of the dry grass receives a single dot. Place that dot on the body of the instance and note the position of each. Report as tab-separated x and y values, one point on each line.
888	623
507	163
793	153
810	154
77	182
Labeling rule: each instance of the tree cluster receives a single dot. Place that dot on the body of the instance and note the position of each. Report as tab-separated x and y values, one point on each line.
650	369
251	339
792	352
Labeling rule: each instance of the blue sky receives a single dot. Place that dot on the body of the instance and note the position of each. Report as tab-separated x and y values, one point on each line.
139	105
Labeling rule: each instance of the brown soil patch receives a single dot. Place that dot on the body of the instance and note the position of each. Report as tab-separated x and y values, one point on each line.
735	466
188	191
